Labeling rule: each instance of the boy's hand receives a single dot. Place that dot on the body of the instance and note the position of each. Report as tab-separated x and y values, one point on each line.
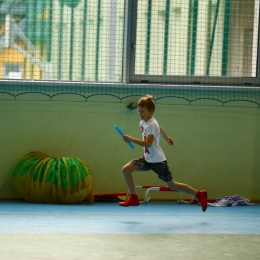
127	138
170	141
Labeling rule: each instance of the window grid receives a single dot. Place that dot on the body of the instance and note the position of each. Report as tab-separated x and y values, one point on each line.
170	41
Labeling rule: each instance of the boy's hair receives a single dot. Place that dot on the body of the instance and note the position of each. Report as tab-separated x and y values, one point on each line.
147	101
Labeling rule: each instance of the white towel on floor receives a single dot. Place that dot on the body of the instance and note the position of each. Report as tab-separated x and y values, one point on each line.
234	200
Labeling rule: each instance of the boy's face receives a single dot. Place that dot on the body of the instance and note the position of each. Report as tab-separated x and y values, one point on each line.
144	113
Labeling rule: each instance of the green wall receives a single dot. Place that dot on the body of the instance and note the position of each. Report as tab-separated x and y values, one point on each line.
216	147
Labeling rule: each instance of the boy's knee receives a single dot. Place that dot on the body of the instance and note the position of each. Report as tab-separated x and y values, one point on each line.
129	168
125	169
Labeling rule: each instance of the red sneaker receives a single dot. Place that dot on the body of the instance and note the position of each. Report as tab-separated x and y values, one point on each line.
132	201
202	197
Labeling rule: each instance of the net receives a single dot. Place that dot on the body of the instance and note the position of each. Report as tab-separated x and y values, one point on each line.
187	49
171	95
39	178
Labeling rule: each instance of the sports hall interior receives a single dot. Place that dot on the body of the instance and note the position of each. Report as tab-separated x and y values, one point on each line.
69	71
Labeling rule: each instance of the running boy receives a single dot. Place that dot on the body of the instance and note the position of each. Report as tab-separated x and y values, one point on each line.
154	158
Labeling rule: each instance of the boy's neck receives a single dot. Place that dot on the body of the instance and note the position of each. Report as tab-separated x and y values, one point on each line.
148	119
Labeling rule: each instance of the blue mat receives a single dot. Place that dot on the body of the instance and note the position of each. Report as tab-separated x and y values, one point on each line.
109	218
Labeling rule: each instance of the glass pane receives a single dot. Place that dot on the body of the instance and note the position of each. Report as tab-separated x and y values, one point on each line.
197	37
71	40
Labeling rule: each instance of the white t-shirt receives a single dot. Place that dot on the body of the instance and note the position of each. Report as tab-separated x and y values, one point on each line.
154	153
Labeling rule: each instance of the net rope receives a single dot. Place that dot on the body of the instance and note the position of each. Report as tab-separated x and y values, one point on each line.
180	49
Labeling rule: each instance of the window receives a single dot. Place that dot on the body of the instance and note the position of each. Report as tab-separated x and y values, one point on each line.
199	41
12	71
132	41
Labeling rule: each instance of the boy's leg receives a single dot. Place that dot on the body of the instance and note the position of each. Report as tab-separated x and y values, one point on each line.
200	195
174	185
127	170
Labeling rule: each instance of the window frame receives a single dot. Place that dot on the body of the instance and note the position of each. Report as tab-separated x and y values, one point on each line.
184	80
129	78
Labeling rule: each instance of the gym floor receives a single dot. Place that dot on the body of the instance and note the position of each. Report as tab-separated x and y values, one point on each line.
104	230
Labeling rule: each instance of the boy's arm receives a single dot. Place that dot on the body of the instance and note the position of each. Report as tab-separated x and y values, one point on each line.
147	143
169	140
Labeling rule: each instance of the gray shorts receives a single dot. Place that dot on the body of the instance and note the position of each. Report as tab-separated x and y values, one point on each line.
161	168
